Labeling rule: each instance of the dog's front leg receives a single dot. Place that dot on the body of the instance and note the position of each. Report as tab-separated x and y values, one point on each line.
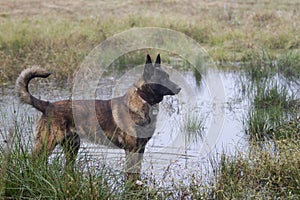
133	164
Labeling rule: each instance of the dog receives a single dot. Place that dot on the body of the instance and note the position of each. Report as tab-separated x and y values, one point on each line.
127	122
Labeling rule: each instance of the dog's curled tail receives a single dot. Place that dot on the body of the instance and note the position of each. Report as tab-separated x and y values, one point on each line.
22	87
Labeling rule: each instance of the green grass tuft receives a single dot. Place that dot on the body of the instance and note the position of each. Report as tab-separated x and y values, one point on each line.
261	174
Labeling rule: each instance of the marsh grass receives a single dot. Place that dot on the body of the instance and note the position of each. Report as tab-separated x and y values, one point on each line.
267	82
260	68
262	173
57	44
193	125
272	107
63	35
289	66
25	177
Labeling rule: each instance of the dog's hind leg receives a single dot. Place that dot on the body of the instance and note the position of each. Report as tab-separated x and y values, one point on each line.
43	145
71	145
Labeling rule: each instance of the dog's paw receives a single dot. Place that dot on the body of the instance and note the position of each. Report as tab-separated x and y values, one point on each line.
139	183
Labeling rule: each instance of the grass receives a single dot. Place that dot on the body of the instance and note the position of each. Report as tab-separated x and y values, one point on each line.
273	106
260	66
22	177
289	66
261	174
193	126
269	169
271	85
63	35
268	172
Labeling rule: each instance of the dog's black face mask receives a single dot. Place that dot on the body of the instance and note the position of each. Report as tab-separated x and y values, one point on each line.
158	83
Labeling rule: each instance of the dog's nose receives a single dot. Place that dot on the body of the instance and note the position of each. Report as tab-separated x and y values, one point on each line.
177	90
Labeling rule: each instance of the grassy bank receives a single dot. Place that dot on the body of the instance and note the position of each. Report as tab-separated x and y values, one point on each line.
58	35
270	172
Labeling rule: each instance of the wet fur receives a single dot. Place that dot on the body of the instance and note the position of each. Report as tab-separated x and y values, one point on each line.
126	121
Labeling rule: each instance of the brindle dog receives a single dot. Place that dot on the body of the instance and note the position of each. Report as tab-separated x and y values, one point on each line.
127	121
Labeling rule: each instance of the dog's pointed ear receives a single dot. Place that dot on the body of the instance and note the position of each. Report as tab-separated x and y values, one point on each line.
157	62
148	59
149	69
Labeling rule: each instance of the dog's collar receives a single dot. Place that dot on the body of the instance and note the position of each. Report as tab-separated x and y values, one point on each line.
141	95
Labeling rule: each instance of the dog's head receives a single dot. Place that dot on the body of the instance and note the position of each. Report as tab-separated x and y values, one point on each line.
157	83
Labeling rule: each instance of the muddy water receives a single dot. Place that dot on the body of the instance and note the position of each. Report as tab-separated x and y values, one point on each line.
176	148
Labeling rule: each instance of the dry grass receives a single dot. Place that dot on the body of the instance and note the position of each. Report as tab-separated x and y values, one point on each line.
58	34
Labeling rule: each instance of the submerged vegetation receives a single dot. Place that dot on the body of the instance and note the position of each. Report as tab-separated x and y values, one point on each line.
262	37
193	126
